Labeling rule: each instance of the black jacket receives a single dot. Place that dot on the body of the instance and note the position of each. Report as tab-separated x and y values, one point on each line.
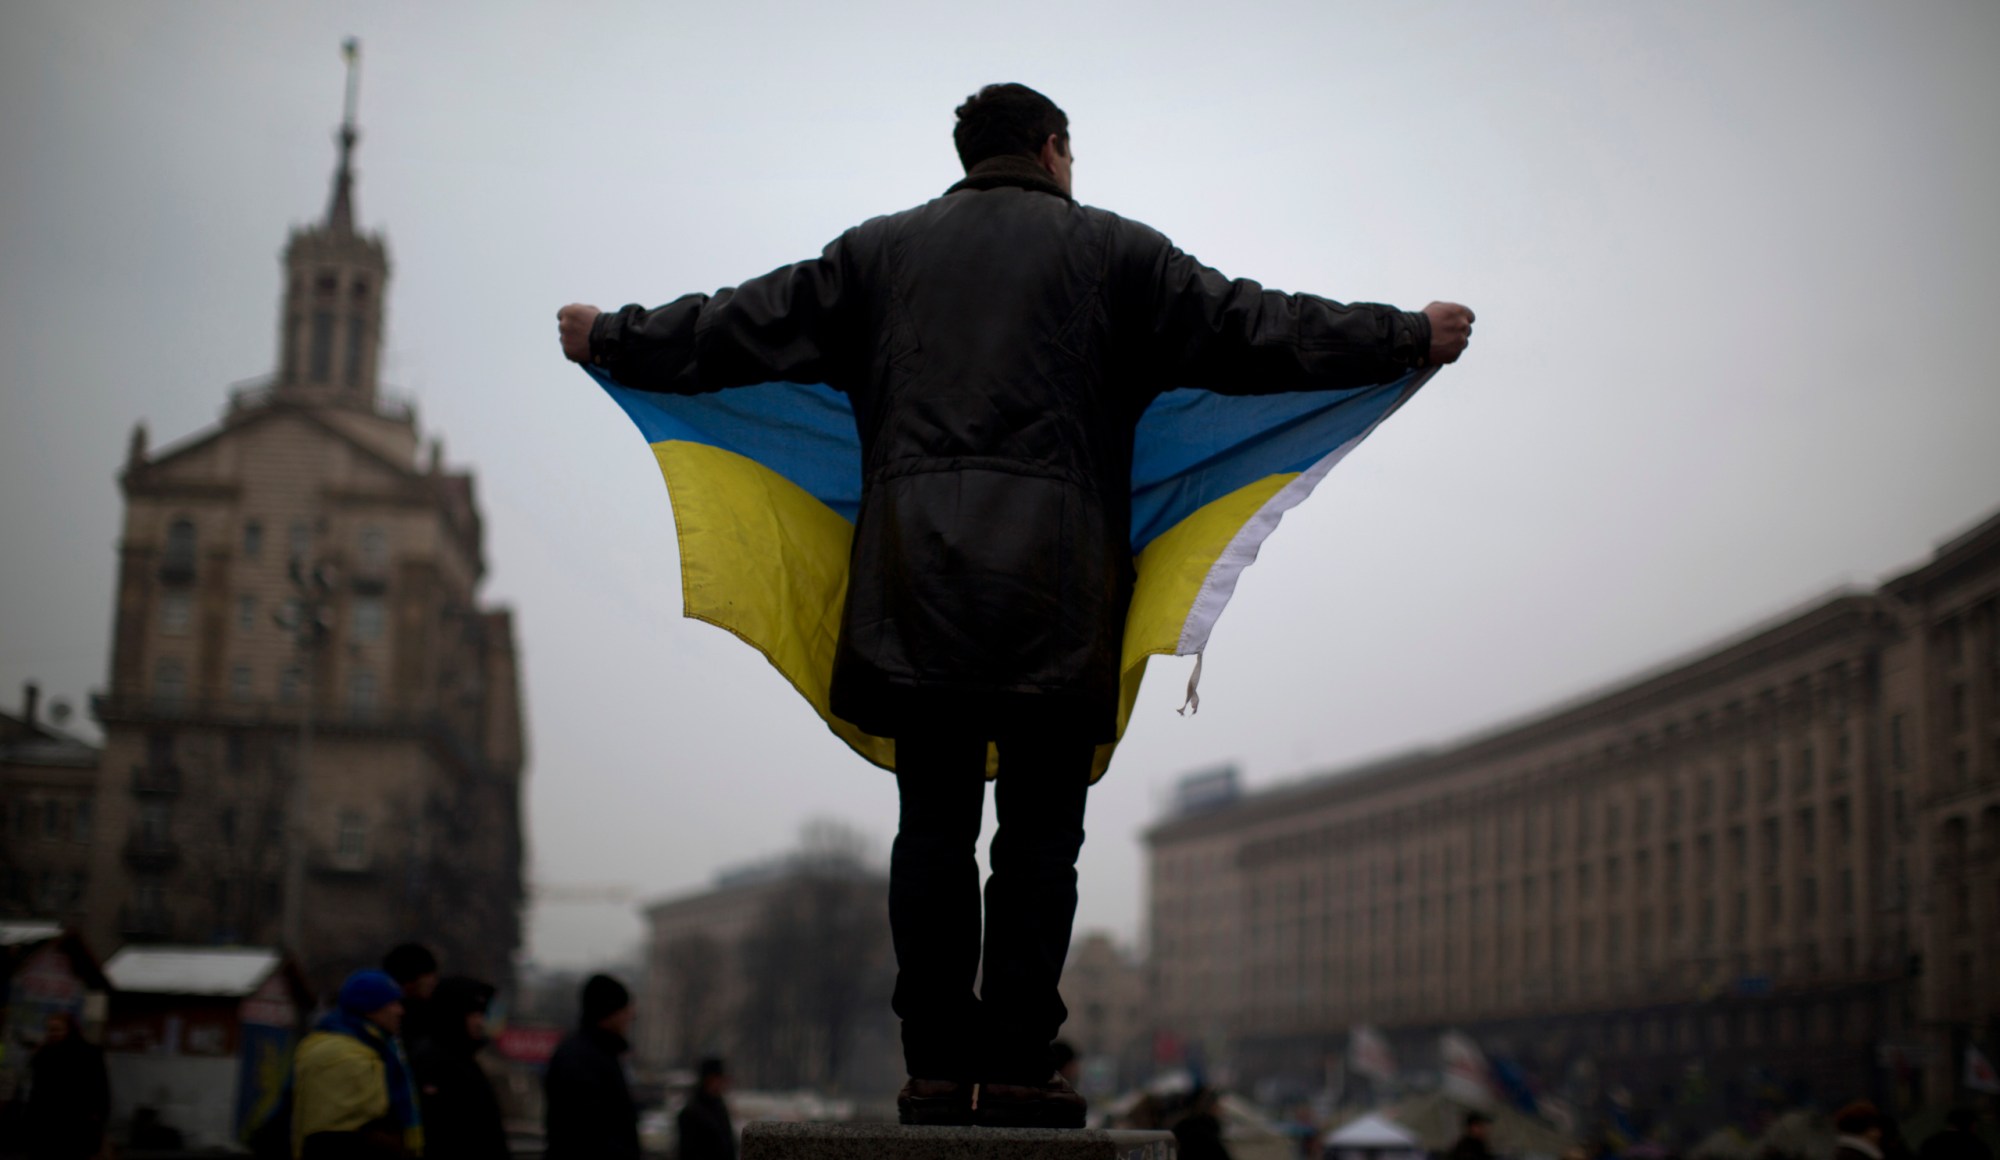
461	1113
704	1128
590	1114
998	344
69	1099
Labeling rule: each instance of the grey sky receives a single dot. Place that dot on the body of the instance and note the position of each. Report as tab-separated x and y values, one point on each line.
1735	269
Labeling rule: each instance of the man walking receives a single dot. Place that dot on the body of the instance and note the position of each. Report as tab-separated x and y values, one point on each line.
589	1113
999	345
703	1125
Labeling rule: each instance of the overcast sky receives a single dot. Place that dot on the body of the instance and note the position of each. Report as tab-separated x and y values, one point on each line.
1737	269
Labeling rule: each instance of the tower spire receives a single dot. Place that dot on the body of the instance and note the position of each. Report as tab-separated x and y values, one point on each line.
340	211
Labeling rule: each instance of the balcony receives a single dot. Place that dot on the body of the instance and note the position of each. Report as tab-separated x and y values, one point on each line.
146	852
156	781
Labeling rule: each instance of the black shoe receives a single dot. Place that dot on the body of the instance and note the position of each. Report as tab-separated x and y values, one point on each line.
937	1102
1053	1104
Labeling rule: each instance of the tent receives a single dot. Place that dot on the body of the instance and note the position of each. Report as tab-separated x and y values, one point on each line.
1372	1137
1437	1120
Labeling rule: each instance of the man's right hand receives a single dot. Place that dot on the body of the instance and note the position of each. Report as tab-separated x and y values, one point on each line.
1451	329
573	328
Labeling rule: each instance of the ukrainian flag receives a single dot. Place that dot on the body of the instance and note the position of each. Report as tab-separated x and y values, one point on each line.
765	483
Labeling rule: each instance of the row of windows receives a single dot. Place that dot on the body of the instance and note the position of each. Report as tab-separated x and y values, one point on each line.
170	686
154	825
367	616
52	819
371	556
46	892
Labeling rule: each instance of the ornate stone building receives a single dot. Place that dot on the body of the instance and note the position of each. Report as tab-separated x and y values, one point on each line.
1776	862
298	597
48	786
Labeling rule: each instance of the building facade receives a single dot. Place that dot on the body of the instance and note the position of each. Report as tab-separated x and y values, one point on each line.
1777	862
308	704
784	969
48	787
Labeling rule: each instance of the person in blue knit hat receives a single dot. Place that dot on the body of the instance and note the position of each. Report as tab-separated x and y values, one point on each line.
351	1089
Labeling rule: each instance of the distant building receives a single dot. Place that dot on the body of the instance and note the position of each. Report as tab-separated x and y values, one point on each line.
1109	1024
48	786
412	803
784	968
1775	860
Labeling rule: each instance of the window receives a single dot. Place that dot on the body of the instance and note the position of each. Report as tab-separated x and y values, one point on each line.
239	683
225	825
253	539
80	821
179	557
1843	821
1806	772
1896	752
1808	832
374	550
155	824
301	539
367	613
1771	779
357	332
320	360
361	692
170	684
351	841
291	685
52	818
176	610
238	753
246	613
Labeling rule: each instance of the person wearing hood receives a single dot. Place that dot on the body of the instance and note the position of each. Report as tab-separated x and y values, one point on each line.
69	1094
589	1110
352	1096
415	970
461	1113
1860	1128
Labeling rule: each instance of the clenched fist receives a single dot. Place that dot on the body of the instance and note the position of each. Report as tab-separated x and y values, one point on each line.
1451	329
573	327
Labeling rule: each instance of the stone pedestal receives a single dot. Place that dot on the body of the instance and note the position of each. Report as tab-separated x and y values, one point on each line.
774	1141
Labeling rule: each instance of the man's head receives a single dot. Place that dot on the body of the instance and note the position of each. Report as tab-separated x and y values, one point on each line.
1014	120
1478	1125
374	996
59	1026
414	968
712	1077
1859	1119
607	1004
460	1003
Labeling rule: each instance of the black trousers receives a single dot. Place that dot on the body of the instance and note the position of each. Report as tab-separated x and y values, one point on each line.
1001	1034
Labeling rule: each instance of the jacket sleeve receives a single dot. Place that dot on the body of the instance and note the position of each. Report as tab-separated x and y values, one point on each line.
1193	327
787	326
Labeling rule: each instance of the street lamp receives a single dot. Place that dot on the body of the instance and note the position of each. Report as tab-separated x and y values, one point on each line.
309	621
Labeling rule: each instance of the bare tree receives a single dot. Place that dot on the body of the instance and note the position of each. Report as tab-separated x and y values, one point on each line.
694	966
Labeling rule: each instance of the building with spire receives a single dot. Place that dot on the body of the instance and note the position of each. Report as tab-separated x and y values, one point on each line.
312	726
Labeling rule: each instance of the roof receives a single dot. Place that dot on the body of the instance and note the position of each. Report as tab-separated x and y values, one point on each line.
14	934
161	970
1373	1130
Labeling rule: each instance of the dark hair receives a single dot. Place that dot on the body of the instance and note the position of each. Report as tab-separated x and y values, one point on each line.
1002	119
710	1068
409	961
603	996
1857	1118
1472	1118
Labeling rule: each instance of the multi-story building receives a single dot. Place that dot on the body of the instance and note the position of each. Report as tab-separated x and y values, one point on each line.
1775	859
1104	987
782	967
298	598
48	783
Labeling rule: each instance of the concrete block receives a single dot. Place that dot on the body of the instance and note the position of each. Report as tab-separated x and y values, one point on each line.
774	1141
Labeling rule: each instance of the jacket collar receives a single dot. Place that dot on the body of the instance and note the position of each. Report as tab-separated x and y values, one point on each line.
1010	170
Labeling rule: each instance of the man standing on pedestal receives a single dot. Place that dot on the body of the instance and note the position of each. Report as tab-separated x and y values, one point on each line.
998	345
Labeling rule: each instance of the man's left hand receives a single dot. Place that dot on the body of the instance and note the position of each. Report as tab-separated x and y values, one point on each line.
573	324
